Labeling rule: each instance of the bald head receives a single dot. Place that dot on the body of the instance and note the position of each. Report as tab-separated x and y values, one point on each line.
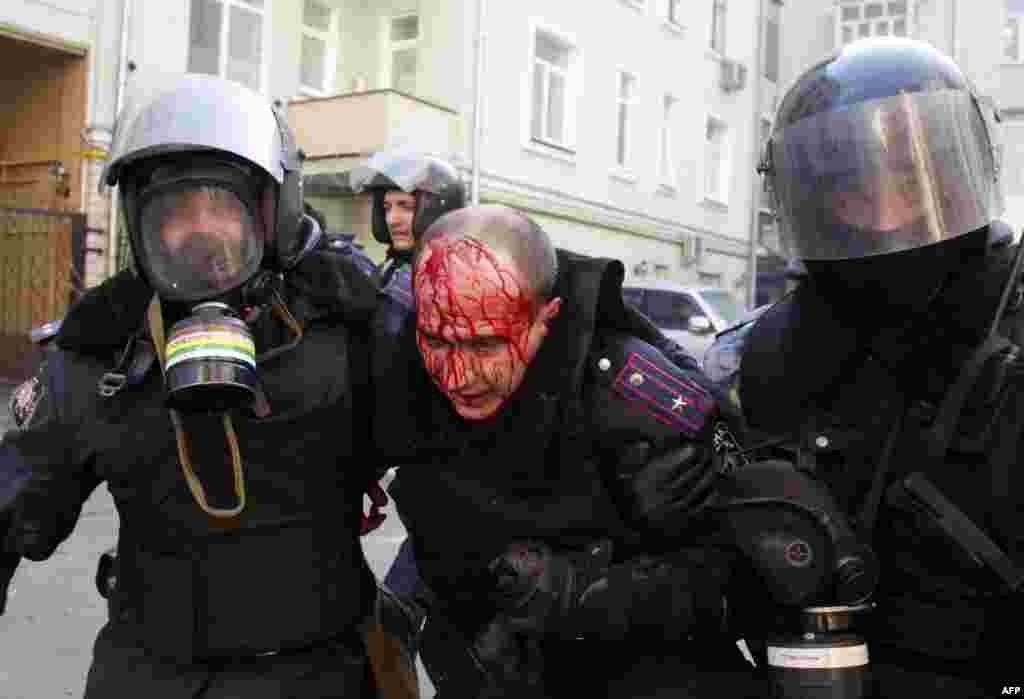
484	281
509	234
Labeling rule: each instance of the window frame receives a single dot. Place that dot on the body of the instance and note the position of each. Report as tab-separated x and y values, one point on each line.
725	162
392	47
1017	17
330	38
840	23
541	143
223	41
625	132
717	34
674	13
668	175
769	66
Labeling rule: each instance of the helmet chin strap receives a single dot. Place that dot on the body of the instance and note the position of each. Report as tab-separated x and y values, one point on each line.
156	328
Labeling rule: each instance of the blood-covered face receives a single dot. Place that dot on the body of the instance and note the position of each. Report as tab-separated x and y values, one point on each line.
399	212
476	327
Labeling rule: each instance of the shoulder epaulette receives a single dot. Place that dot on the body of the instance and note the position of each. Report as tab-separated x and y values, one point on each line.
645	392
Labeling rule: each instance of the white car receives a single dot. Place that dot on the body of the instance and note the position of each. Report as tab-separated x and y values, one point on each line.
690	315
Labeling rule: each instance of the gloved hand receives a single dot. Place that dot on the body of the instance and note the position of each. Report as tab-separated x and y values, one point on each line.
537	590
667	485
669	596
374	518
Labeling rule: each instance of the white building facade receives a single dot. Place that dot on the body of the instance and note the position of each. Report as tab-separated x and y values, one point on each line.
985	37
630	130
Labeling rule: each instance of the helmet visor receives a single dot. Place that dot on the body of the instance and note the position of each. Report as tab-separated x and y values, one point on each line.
198	241
883	176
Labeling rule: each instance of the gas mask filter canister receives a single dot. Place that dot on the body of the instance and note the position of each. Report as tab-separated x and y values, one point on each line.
211	361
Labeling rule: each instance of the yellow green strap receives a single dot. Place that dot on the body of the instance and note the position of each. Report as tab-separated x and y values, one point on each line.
156	328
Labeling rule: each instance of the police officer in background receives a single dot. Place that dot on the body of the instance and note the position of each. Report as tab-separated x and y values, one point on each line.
410	190
197	385
892	373
554	466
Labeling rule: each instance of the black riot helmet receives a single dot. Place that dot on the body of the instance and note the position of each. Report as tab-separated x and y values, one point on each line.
883	147
434	182
211	187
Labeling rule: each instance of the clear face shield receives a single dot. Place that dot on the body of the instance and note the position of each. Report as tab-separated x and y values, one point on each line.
199	235
884	175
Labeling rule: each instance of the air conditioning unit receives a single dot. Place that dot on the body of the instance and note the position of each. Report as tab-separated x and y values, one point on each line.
734	75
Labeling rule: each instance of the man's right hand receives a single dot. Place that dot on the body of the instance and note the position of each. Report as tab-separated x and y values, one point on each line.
666	486
671	596
537	590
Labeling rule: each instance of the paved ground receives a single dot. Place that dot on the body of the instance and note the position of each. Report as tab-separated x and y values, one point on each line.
54	611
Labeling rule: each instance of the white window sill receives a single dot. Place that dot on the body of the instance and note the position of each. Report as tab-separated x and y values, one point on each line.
305	91
633	4
623	175
712	202
673	28
562	153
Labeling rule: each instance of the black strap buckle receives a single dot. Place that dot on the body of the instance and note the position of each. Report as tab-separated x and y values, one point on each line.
111	384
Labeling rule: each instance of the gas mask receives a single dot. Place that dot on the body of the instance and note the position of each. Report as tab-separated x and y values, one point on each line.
200	241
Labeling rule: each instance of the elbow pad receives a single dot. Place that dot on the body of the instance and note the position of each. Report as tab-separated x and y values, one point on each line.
795	536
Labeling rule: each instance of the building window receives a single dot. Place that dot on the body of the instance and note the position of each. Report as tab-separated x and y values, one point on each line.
404	38
666	158
771	50
552	108
226	38
674	12
716	160
319	47
1012	50
718	26
858	19
625	101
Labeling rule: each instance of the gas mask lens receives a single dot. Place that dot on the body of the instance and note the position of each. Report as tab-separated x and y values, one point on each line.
199	241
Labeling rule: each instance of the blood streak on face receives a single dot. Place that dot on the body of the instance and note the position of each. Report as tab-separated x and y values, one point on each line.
475	327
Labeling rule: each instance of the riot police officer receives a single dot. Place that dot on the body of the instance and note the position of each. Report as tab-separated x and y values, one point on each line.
197	384
410	190
891	374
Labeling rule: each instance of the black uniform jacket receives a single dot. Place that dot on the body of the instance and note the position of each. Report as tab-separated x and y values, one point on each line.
287	572
837	389
545	466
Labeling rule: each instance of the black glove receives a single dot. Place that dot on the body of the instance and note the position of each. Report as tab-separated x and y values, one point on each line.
582	594
538	591
667	486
